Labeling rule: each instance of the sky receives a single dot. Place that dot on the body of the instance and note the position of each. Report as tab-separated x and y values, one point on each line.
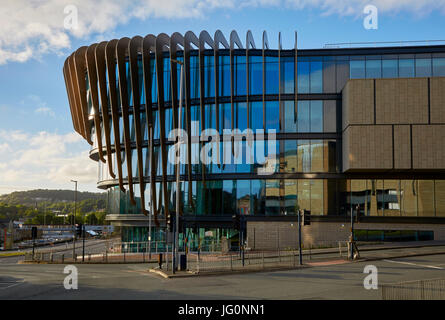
38	145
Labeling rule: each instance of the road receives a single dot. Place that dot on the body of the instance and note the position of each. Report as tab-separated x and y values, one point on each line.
132	281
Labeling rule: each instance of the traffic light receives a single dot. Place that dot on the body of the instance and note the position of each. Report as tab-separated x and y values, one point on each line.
236	221
306	217
171	221
79	230
34	233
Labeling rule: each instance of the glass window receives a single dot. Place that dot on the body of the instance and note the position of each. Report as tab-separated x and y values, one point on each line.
342	72
329	116
290	156
210	116
194	77
241	115
316	77
303	116
224	76
390	68
316	116
209	76
373	69
317	156
316	194
408	197
258	196
272	115
329	85
303	77
240	78
392	197
287	75
243	197
357	69
167	86
229	197
256	115
273	197
255	75
406	68
304	194
272	75
439	67
290	119
425	198
290	197
304	156
439	189
423	67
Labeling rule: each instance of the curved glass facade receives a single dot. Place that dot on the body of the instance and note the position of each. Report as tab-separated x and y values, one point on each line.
263	132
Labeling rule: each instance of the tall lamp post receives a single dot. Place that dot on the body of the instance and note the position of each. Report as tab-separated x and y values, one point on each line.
151	199
74	217
176	240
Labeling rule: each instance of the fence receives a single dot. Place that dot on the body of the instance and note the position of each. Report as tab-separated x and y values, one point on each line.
201	263
433	289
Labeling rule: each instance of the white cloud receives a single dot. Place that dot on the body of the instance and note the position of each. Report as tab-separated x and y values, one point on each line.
45	111
31	28
46	160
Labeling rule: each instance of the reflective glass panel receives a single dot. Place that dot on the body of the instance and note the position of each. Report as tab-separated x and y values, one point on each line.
390	68
406	68
316	77
423	68
255	75
303	76
357	69
272	75
373	69
287	75
439	67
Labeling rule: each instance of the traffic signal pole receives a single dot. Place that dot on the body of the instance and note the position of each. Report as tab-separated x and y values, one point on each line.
83	243
300	254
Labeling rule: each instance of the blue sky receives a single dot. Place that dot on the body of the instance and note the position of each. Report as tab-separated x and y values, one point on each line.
38	147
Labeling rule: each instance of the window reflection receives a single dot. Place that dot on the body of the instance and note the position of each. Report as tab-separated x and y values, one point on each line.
255	75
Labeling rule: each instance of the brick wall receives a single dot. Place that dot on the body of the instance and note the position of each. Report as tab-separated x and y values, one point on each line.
263	235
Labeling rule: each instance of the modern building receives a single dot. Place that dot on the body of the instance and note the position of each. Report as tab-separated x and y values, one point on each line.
334	130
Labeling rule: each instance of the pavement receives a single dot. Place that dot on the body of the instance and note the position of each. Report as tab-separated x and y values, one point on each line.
133	281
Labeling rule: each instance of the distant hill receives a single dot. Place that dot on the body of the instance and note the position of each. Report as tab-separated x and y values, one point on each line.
31	197
38	206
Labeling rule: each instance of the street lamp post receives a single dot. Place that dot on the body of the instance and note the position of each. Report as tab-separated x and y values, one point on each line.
151	199
74	217
176	240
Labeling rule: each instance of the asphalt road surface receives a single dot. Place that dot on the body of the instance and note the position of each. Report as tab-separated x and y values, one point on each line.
132	281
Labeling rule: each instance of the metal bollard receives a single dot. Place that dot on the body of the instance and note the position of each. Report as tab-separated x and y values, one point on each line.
51	257
106	256
63	258
124	257
89	256
231	266
262	256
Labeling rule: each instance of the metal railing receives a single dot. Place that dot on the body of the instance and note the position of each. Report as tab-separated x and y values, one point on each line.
201	263
433	289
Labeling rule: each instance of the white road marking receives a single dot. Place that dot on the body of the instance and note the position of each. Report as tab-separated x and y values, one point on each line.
415	264
12	285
